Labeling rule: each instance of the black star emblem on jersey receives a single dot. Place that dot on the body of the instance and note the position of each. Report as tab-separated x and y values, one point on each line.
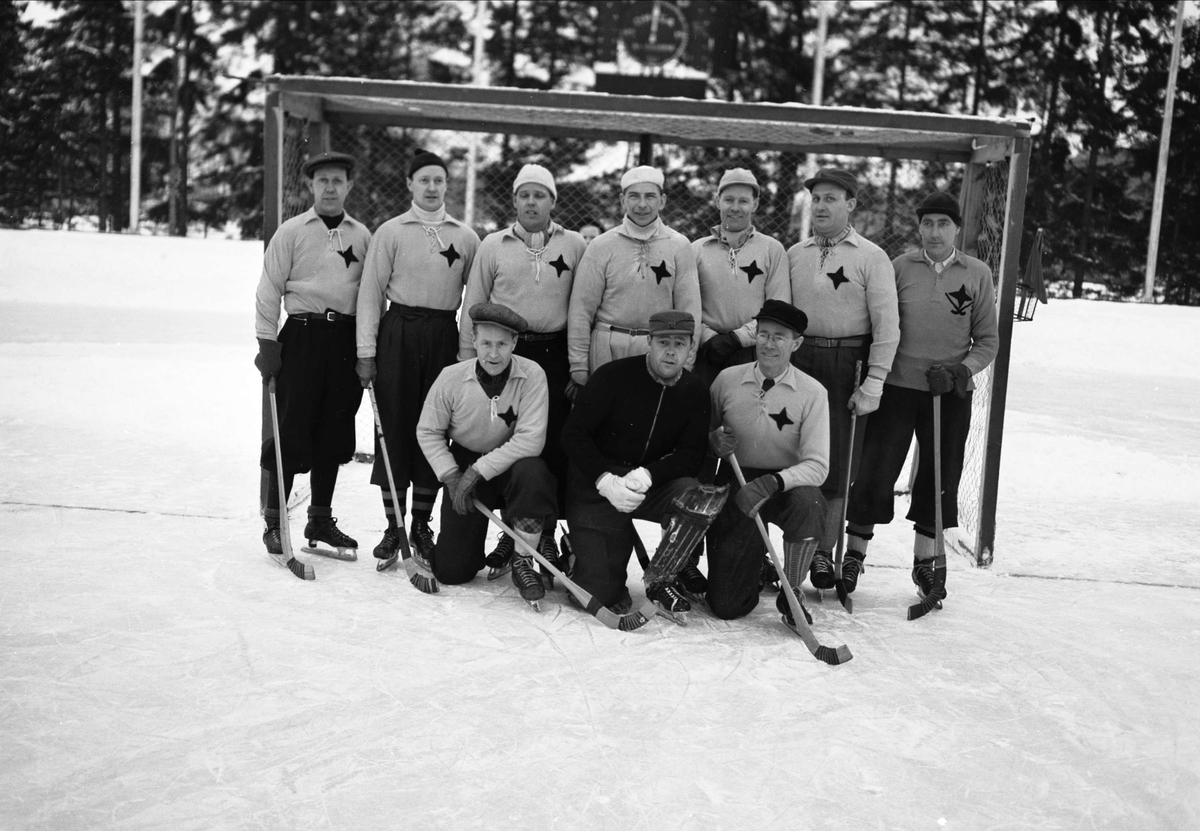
509	417
838	277
781	419
960	301
661	272
451	255
560	265
348	256
751	270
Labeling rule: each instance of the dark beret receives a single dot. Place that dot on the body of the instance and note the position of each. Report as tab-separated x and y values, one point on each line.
329	158
425	159
835	176
499	315
939	202
785	314
672	322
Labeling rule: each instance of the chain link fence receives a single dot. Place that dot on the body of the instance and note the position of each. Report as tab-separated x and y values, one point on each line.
587	176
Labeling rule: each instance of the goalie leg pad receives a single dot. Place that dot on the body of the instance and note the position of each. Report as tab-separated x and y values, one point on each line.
692	512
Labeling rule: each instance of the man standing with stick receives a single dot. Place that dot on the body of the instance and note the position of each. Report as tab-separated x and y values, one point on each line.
313	264
948	333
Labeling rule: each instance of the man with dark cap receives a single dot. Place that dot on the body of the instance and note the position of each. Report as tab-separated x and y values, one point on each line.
314	264
636	439
530	268
948	333
775	419
631	269
419	263
482	429
848	288
739	268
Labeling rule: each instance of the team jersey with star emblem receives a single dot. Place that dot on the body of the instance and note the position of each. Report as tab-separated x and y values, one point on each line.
785	429
945	318
536	284
734	283
414	265
313	268
852	293
622	280
506	428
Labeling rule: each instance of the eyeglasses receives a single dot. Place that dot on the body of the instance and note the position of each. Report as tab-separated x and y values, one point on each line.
776	340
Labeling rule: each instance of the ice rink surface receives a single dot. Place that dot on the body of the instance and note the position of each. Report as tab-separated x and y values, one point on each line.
158	671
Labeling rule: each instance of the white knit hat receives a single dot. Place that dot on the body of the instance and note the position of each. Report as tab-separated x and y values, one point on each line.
642	173
535	174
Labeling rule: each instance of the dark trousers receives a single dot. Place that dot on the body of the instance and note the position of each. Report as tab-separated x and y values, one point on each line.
602	536
902	412
833	366
413	347
317	394
736	548
551	356
525	490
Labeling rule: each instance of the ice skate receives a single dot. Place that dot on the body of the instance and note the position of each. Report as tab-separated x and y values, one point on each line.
273	540
781	603
852	567
388	550
670	602
421	537
692	583
925	579
337	546
820	573
768	577
499	562
549	550
527	580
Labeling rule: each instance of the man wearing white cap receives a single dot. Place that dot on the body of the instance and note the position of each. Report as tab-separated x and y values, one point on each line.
739	269
529	267
638	267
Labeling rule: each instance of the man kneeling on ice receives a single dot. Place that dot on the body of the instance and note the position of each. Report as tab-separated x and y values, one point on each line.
482	429
775	420
636	440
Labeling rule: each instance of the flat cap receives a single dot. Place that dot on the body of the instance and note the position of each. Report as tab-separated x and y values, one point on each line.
329	158
738	176
672	322
424	159
642	173
785	314
499	315
835	176
535	174
940	202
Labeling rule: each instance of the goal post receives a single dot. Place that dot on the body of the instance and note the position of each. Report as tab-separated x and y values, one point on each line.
588	139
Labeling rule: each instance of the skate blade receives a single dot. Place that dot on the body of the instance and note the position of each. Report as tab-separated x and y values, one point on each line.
536	605
497	573
348	555
678	618
385	564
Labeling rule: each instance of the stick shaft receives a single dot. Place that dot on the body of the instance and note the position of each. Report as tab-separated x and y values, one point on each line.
284	528
939	541
387	465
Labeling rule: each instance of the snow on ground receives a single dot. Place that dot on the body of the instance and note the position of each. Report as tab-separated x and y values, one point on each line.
158	671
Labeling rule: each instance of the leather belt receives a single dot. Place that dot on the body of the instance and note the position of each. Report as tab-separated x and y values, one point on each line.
327	317
825	343
542	336
633	332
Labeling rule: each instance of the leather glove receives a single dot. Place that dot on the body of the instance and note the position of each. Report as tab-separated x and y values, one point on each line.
751	498
364	368
451	482
578	379
638	480
721	347
618	494
269	359
464	489
865	399
943	379
721	442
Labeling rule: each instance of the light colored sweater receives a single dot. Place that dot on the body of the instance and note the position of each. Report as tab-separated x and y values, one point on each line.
734	283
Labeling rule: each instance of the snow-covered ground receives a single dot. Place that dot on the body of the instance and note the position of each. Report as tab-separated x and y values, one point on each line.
158	671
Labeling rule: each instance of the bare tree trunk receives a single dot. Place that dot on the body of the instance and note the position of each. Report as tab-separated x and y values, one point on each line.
1089	190
183	98
981	59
